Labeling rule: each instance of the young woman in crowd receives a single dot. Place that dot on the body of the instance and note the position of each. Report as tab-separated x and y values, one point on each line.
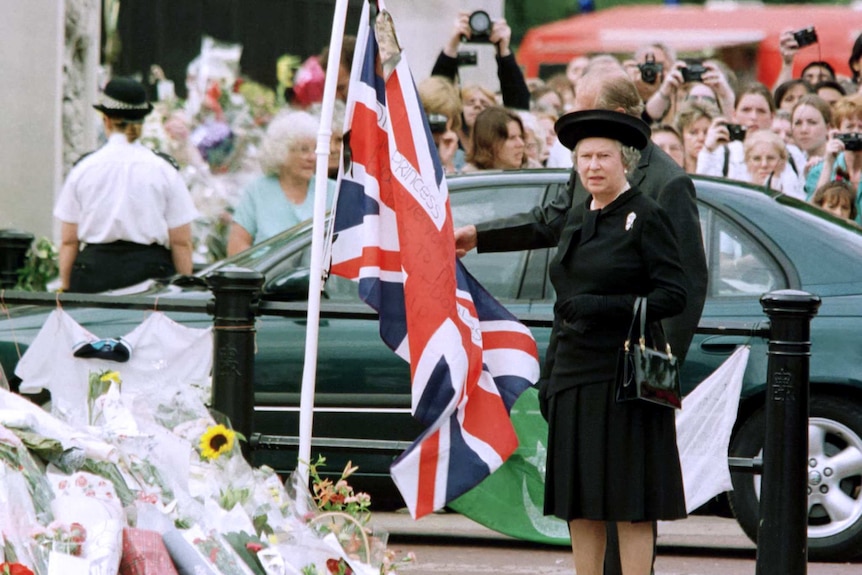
724	157
810	123
497	141
668	139
837	198
474	99
788	93
692	122
842	158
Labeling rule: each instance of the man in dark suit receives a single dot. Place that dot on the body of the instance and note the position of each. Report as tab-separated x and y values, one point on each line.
607	86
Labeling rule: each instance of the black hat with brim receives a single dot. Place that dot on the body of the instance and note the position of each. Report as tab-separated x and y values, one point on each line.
575	126
124	99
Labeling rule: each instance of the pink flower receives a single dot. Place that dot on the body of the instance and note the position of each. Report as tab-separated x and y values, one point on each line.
81	481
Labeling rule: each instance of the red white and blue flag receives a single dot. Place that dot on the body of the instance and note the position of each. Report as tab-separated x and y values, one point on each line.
469	357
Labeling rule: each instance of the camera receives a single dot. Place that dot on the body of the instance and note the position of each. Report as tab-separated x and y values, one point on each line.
467	58
437	123
852	141
805	37
650	69
480	28
693	72
737	132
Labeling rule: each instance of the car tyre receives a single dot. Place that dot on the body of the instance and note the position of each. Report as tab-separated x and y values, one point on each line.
835	456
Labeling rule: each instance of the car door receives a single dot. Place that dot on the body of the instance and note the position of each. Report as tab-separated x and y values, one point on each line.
743	265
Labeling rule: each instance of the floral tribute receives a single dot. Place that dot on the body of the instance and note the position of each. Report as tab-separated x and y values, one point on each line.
14	569
156	486
216	441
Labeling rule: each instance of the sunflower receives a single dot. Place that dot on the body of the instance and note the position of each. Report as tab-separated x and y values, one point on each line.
110	376
216	441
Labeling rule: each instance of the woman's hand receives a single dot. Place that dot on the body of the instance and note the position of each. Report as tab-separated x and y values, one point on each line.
661	102
465	240
461	28
501	36
715	78
787	47
447	145
717	134
834	146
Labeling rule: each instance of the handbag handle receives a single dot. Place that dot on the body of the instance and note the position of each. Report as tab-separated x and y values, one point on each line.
640	308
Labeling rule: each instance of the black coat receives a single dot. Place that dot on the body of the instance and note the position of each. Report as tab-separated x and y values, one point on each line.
656	176
625	250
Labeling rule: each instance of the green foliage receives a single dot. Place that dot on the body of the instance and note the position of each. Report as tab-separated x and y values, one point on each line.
41	267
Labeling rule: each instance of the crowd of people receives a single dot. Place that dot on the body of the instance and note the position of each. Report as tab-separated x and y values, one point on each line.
246	153
633	131
795	137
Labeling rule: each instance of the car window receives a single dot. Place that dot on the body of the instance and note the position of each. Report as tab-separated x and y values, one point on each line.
738	264
502	273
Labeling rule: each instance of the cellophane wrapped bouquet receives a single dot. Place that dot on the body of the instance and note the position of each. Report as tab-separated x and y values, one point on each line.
157	485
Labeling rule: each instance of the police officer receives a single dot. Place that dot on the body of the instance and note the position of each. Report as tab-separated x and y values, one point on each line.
124	204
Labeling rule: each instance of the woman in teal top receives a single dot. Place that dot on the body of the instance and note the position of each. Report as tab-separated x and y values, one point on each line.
843	156
283	197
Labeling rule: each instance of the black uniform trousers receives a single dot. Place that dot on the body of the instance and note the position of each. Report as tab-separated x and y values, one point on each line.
101	267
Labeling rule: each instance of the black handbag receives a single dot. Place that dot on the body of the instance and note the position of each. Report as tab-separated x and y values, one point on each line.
645	373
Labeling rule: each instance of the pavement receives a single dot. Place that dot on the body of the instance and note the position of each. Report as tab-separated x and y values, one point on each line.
698	531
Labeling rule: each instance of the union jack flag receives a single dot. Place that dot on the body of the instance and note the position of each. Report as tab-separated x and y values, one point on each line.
469	357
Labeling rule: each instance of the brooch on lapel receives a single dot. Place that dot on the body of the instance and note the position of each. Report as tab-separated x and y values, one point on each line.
630	220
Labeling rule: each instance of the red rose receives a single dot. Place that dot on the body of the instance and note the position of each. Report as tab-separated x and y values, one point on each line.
15	569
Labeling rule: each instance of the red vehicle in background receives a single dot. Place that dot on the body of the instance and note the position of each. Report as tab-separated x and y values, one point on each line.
744	36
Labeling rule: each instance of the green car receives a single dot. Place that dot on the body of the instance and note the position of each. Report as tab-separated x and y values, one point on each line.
755	243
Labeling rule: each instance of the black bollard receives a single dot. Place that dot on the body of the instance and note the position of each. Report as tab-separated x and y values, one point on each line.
236	292
13	255
782	537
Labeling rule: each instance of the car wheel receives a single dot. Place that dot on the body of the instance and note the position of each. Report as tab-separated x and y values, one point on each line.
834	475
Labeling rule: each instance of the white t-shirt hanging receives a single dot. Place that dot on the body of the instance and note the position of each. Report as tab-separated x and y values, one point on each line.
164	353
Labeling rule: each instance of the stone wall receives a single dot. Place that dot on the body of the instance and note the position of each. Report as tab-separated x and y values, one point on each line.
80	56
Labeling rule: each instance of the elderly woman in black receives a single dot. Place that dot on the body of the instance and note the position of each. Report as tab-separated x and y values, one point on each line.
610	461
607	461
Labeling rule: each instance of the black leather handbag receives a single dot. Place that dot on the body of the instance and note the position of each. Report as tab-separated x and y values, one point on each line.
644	373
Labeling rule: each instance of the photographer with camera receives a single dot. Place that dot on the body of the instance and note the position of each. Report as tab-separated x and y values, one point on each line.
648	68
842	159
693	80
789	43
478	27
723	152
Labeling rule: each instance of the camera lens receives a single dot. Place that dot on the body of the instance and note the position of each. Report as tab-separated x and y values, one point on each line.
480	22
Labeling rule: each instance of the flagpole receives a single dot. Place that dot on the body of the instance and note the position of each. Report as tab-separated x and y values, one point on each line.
315	281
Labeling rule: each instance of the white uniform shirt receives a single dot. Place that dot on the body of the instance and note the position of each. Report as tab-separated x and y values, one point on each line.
124	191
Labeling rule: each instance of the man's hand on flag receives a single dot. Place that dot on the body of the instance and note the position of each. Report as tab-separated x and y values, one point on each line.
465	240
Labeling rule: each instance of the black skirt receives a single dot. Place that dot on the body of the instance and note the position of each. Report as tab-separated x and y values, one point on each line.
610	461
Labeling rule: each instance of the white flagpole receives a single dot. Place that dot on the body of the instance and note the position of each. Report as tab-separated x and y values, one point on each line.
309	371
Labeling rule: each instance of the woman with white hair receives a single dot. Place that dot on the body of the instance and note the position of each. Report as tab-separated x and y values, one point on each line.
284	196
